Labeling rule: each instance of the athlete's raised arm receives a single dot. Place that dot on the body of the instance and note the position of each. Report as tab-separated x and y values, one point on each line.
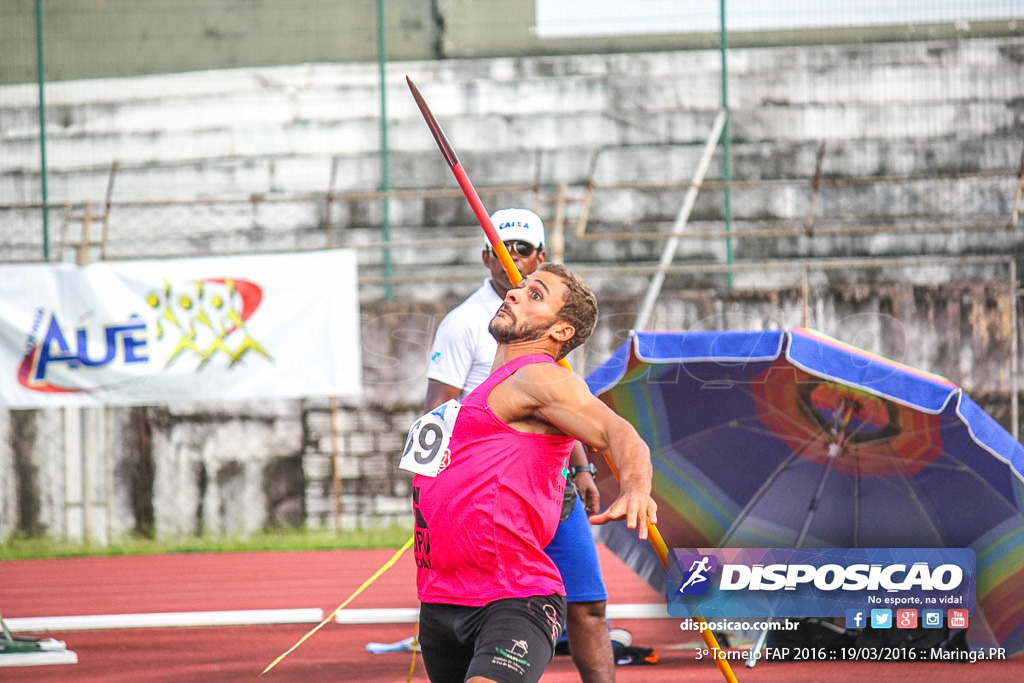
561	398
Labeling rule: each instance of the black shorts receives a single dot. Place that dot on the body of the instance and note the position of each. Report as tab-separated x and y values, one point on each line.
511	640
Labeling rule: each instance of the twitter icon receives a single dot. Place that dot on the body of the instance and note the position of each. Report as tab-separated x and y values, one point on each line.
881	618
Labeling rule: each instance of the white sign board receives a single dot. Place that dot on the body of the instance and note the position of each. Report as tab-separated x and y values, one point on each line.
574	18
203	329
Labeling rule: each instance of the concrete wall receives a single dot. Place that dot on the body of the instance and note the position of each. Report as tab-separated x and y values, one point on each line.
125	38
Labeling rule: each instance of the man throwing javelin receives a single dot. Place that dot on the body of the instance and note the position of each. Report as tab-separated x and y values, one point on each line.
489	489
460	359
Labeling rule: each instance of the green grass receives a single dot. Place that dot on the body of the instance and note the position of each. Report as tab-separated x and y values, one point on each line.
295	539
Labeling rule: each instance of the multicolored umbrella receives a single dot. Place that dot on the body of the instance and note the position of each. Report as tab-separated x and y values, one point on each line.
788	438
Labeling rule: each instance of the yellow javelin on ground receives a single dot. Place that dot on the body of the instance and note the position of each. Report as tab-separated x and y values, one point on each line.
376	575
515	277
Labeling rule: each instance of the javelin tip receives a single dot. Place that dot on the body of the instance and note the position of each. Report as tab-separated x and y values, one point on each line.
435	128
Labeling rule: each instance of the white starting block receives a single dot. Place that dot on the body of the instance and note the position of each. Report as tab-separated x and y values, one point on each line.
25	651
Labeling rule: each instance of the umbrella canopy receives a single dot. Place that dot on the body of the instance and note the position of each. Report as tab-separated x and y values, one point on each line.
788	438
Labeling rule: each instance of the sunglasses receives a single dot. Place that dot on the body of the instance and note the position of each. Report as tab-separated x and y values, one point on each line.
524	249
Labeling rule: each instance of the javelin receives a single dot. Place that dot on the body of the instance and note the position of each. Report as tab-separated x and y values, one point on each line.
515	277
467	187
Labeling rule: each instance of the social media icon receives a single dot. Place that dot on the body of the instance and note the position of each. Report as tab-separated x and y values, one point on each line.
957	618
906	618
881	618
931	618
856	618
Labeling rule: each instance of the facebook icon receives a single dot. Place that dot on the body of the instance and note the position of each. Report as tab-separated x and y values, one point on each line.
856	618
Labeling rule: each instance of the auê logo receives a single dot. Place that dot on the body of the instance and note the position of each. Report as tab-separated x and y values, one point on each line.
205	319
696	571
50	344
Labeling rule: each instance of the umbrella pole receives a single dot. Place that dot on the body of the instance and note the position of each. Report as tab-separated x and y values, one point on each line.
856	505
760	493
768	483
833	452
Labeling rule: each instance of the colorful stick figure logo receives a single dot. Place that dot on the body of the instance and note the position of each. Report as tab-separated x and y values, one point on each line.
208	317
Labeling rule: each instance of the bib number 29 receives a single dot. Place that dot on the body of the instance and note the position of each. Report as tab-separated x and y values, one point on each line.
426	448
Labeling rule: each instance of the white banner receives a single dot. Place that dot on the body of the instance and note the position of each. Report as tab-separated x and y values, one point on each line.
204	329
575	18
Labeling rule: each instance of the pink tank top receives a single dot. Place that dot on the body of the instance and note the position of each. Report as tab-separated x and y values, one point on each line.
482	524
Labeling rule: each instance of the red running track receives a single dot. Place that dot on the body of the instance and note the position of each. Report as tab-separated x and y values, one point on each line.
287	580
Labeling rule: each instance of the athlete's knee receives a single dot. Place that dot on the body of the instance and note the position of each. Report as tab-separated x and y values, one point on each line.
588	610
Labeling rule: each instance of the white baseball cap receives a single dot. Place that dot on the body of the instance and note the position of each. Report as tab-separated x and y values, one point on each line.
518	224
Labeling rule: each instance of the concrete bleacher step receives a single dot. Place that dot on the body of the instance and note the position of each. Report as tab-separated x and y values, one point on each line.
498	132
241	160
634	162
322	96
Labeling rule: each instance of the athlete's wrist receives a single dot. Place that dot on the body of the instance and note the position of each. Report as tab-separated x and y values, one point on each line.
589	468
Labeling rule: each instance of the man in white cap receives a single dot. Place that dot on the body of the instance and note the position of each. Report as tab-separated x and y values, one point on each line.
460	359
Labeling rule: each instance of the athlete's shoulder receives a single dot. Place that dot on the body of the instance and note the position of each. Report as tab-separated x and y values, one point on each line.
542	377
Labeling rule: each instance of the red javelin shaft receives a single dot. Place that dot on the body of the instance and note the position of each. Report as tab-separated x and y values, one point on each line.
475	203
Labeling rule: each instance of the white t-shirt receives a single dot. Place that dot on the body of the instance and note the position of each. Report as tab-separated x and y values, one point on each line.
463	349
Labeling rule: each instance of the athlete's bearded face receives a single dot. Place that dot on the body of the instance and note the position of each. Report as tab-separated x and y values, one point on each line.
506	328
529	310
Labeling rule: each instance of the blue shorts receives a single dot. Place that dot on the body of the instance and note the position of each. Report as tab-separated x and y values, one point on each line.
574	553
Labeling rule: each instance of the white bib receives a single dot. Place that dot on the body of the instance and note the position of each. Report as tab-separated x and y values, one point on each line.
426	450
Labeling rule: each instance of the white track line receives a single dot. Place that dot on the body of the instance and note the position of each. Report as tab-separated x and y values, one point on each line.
409	615
644	610
397	615
162	619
